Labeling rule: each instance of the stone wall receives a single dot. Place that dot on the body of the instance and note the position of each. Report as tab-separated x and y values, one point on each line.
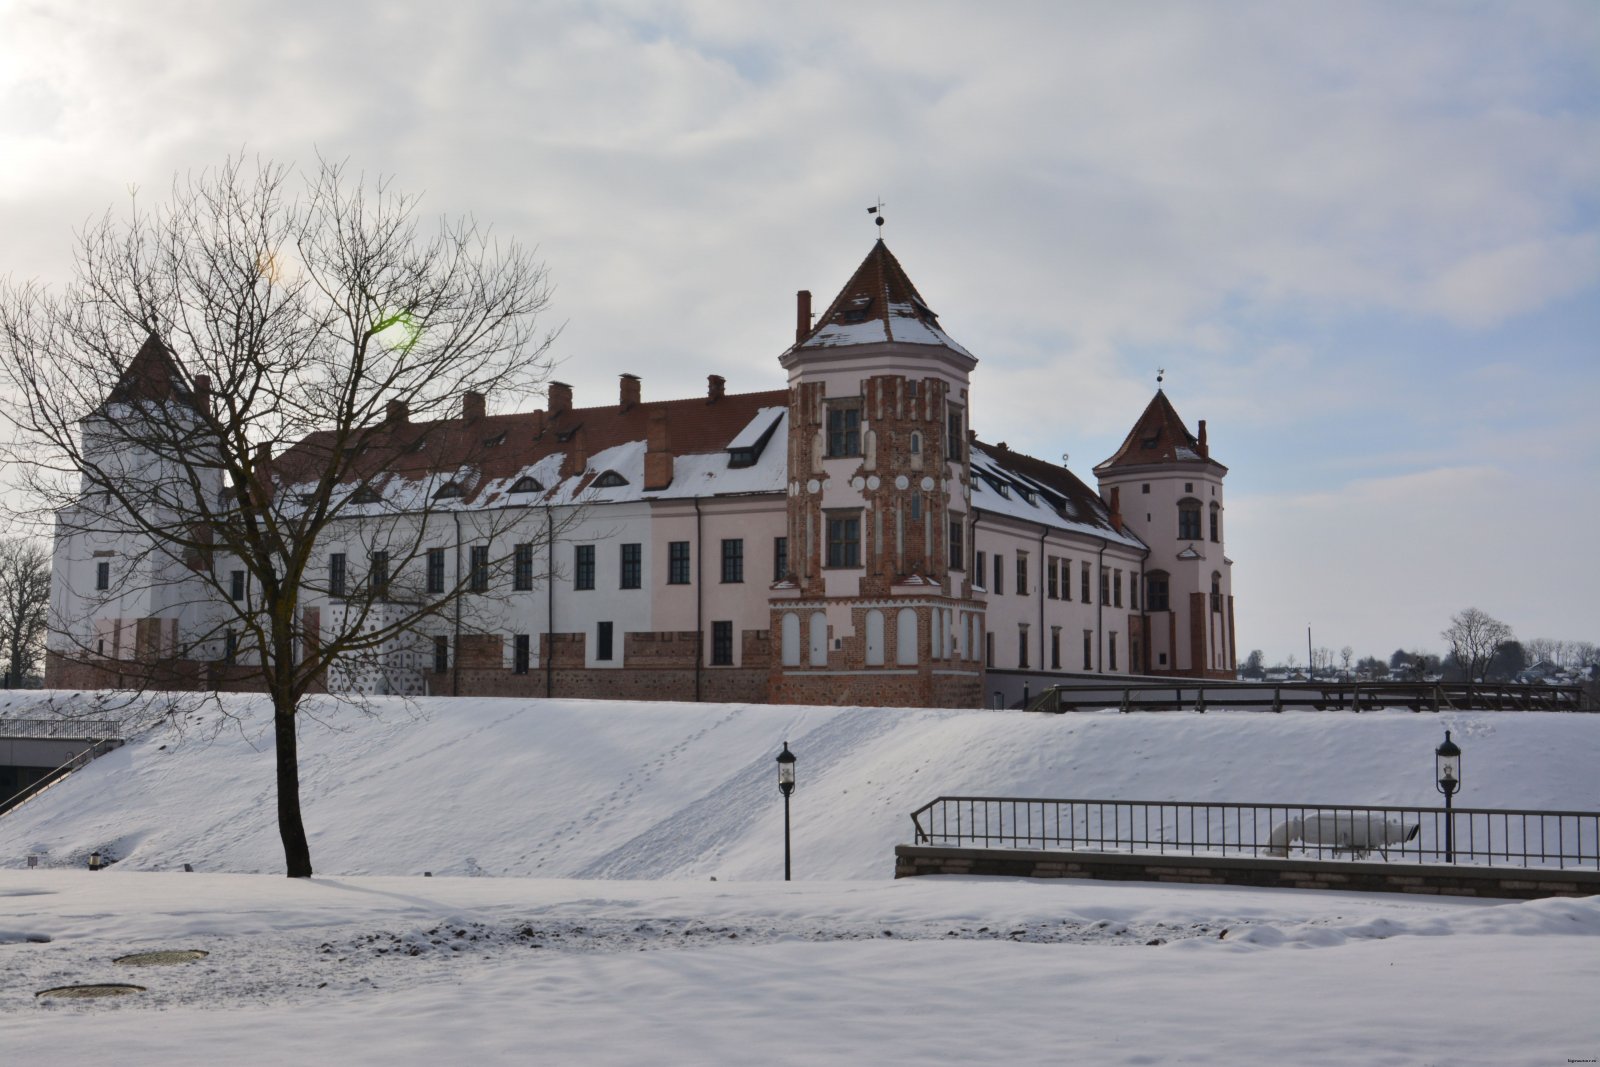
1434	879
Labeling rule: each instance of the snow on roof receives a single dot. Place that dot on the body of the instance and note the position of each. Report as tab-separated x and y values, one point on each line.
879	305
1021	487
757	428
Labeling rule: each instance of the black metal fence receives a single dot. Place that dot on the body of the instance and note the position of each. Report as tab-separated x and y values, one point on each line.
1481	836
1190	694
52	728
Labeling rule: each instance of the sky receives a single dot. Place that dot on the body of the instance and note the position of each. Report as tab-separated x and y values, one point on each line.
1361	239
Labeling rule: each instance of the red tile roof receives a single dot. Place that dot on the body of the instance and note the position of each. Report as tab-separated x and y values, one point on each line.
879	303
1158	437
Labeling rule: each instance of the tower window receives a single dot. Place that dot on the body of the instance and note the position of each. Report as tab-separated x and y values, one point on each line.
844	540
1188	520
844	428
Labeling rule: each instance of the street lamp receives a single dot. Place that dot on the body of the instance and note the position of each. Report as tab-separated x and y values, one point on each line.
786	762
94	861
1447	758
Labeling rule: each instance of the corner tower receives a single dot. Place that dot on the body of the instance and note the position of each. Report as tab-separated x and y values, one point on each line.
877	607
1169	491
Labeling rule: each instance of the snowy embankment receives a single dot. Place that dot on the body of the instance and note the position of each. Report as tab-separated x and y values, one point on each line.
598	789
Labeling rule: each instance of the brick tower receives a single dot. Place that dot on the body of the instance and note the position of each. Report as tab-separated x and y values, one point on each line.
877	607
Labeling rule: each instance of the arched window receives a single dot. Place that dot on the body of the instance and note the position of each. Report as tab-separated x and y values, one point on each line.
609	480
1216	522
905	626
819	639
935	639
448	491
1156	592
527	484
874	638
791	639
1189	519
1216	591
916	443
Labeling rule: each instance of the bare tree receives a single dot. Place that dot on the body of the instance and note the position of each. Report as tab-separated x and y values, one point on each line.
1346	654
1474	637
24	604
288	333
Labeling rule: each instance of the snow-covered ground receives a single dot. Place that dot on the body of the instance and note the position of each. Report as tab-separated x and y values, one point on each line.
603	938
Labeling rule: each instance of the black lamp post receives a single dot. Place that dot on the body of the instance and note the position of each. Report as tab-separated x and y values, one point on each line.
94	861
1447	757
786	762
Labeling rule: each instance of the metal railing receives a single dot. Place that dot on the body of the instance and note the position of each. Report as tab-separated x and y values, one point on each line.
55	775
1192	694
1479	836
52	728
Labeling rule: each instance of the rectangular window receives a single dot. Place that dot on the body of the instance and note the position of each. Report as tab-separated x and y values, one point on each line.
1189	521
732	560
844	540
1105	585
1111	649
236	585
1116	588
441	655
1051	573
958	542
916	507
844	428
230	648
980	567
678	563
722	644
1156	595
1022	645
632	566
1055	648
988	650
479	562
602	641
780	558
336	574
1083	592
378	575
999	574
1216	514
956	437
522	654
522	568
1088	650
435	570
583	567
1133	591
1022	574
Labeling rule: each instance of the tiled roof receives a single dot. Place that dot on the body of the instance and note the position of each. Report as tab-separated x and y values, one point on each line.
152	375
877	305
1158	437
1022	487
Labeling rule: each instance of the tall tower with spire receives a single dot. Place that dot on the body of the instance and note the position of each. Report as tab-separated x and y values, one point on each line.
877	607
1170	494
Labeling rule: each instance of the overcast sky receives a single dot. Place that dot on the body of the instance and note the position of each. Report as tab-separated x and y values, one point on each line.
1363	239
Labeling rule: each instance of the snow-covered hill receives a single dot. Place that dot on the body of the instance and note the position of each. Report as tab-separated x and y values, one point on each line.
598	789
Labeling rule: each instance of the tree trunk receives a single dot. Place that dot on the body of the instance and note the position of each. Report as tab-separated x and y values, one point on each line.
296	851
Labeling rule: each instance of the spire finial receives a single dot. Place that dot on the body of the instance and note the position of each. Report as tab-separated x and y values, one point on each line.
877	210
1161	376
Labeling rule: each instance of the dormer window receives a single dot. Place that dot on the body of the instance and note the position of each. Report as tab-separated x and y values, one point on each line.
857	310
1003	489
1150	442
1027	494
365	495
609	480
741	457
496	441
527	484
563	436
448	491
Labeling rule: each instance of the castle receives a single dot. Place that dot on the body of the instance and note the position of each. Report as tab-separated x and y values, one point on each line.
846	540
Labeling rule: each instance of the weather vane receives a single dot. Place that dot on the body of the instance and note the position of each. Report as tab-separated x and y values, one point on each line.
1161	376
878	211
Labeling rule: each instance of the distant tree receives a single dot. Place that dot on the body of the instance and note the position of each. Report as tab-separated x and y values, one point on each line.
24	604
1345	655
1509	661
1253	664
272	315
1474	638
1400	660
1372	667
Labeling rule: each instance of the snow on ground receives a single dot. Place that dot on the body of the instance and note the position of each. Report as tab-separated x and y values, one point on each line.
604	940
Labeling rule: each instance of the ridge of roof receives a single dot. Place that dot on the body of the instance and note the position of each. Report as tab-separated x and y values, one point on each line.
1158	436
878	304
1086	507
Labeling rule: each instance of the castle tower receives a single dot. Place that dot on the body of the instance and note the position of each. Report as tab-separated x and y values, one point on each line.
1169	491
877	608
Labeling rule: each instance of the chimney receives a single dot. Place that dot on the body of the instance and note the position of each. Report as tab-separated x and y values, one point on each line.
714	387
576	460
1205	451
658	454
472	406
630	392
802	315
559	399
1116	509
538	425
202	394
263	454
397	412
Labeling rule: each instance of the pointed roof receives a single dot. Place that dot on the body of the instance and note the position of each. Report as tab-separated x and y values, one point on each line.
152	375
1158	437
878	305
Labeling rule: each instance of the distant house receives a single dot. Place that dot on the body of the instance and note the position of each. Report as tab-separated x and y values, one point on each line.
844	539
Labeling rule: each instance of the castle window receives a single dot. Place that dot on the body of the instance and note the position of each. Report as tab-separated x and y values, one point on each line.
448	491
1145	488
844	540
1111	650
1055	648
1216	522
336	574
441	655
1116	588
378	575
583	567
1083	586
522	654
1052	570
1088	650
780	558
435	570
236	586
980	570
527	484
1022	574
958	545
999	575
602	641
954	436
1188	487
480	568
1156	595
365	495
632	566
844	428
230	648
1188	520
678	563
609	480
732	560
1105	585
916	443
1022	645
916	505
722	644
522	568
1216	591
